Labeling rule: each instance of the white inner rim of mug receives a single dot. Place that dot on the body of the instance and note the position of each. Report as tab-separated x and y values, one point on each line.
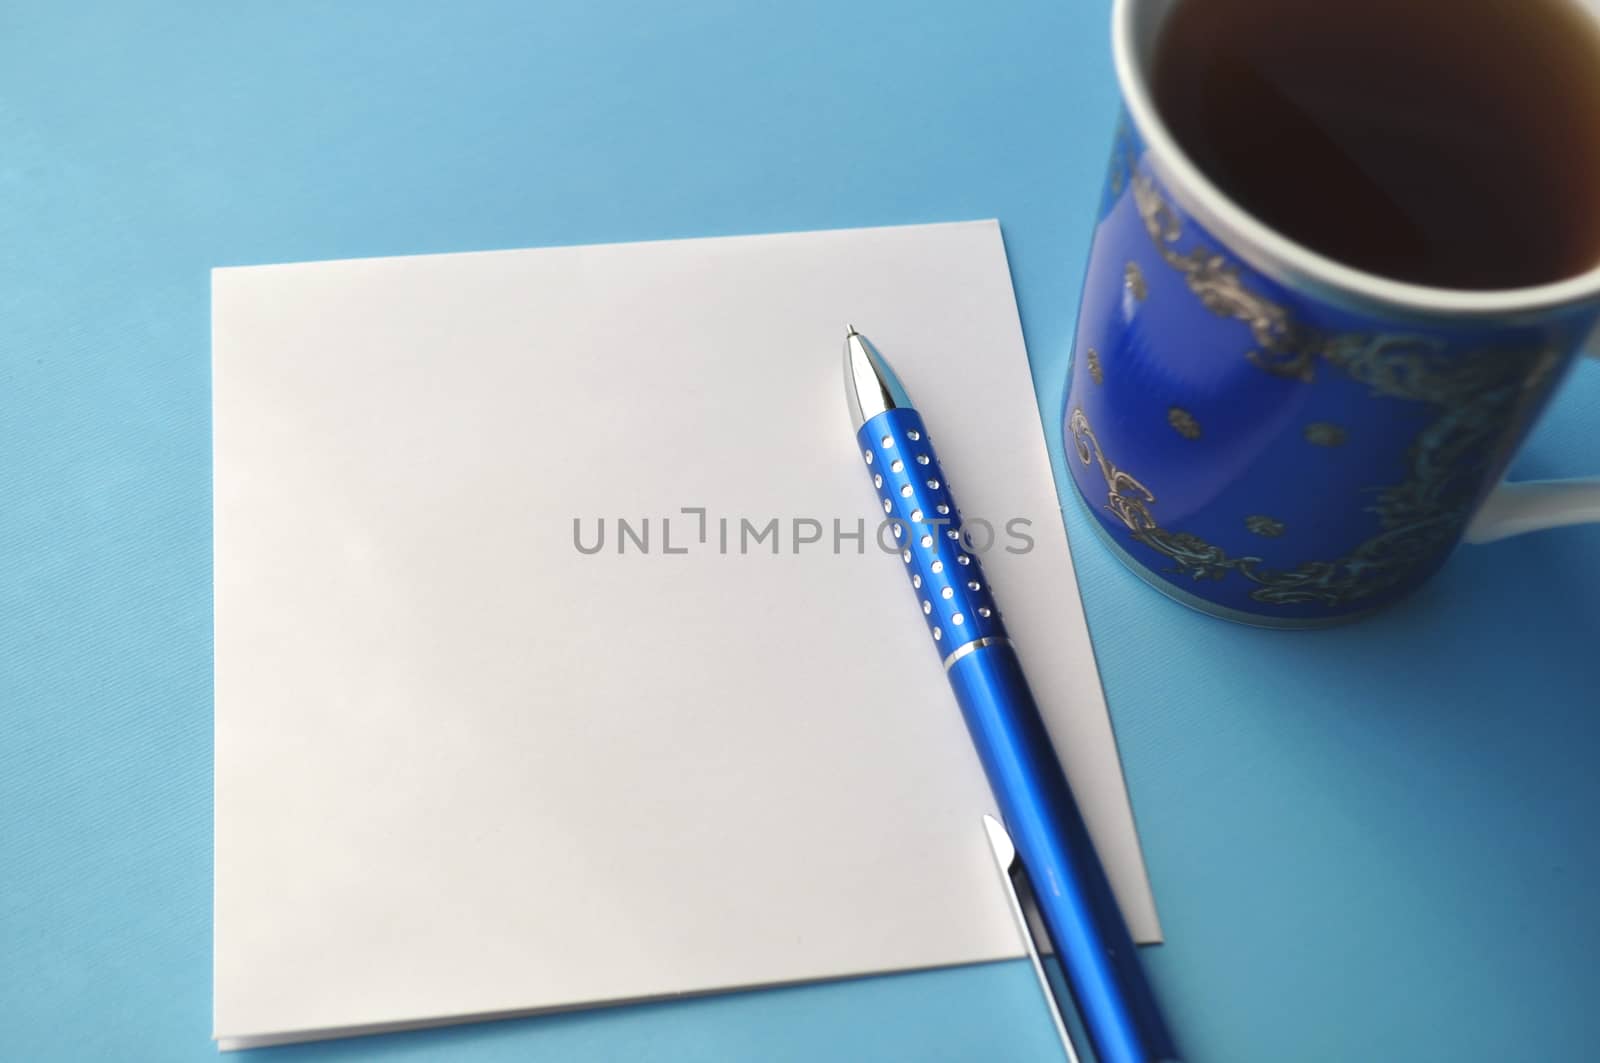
1136	26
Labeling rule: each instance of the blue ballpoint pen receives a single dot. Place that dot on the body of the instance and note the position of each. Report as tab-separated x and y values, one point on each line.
1041	820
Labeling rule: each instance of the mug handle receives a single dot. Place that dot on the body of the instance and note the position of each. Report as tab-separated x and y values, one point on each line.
1515	508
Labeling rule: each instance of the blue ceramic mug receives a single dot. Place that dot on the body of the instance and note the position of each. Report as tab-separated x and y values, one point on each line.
1272	437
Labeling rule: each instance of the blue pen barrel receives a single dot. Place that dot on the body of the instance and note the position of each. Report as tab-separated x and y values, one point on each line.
965	625
1073	894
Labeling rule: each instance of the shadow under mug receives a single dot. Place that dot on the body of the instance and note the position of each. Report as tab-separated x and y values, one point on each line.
1272	437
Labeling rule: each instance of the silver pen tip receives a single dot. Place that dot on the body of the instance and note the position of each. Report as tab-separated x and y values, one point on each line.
870	385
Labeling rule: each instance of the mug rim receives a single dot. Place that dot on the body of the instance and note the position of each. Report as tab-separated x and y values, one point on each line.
1283	259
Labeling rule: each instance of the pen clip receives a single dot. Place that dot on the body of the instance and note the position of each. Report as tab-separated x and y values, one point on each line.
1019	891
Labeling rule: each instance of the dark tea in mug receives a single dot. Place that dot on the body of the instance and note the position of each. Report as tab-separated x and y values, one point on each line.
1448	143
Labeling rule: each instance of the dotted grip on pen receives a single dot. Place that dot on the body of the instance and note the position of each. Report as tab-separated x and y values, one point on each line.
938	557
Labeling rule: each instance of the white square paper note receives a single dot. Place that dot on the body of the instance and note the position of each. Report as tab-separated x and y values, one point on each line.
464	768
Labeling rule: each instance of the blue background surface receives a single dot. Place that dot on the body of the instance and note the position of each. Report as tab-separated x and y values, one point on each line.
1372	843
